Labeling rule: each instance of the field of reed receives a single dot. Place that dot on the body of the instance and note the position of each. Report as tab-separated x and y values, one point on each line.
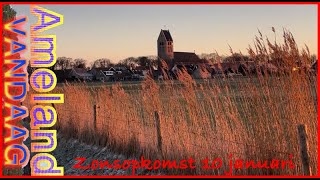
252	118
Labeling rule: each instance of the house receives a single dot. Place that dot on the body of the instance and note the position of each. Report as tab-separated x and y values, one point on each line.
225	68
106	75
73	74
116	73
120	73
119	68
141	72
80	74
175	60
157	74
101	74
63	75
262	68
243	67
202	71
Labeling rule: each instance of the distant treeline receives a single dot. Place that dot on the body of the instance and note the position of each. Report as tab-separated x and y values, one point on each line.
69	63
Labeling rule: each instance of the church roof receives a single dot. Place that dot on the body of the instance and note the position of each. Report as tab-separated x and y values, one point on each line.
167	35
187	58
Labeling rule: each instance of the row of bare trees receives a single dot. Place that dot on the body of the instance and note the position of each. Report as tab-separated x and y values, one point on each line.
238	57
68	63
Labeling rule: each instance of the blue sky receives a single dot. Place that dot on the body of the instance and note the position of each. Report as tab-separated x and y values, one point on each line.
120	31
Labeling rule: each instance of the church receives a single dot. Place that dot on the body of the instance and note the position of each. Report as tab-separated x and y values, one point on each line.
173	59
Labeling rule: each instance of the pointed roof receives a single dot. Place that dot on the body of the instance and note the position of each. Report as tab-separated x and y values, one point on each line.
167	35
81	72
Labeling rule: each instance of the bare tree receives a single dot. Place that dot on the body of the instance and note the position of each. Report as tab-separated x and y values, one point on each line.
211	57
129	62
101	63
79	63
236	57
146	61
63	63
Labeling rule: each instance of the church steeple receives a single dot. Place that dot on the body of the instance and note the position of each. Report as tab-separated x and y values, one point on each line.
165	45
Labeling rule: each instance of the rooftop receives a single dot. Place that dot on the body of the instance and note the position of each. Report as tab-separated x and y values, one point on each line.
167	35
187	58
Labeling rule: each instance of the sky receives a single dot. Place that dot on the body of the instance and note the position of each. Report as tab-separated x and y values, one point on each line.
120	31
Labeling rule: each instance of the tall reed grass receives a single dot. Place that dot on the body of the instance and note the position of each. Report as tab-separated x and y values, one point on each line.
252	118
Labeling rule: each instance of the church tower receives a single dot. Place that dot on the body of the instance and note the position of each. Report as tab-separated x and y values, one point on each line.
165	46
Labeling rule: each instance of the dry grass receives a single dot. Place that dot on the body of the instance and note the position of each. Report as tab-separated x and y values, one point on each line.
252	118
